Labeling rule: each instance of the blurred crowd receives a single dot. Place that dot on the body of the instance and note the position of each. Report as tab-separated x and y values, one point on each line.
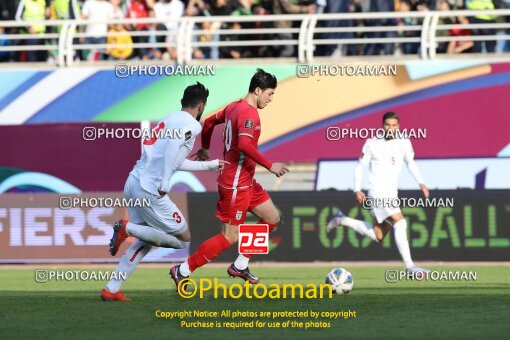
121	37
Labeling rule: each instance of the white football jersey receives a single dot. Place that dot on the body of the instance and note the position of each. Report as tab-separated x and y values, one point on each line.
164	154
385	159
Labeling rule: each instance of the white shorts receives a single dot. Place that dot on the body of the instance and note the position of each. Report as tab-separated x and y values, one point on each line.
162	213
382	213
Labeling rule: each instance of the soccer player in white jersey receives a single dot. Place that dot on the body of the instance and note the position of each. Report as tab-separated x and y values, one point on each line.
161	224
385	157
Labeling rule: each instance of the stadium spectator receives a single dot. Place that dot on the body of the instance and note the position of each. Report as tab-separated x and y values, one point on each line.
8	12
355	6
152	53
249	7
34	11
445	6
506	5
8	9
169	11
196	8
262	50
456	47
122	43
243	8
377	48
61	10
339	6
385	48
430	4
4	41
234	52
220	8
289	7
489	45
117	11
204	52
408	48
65	9
267	5
96	10
136	10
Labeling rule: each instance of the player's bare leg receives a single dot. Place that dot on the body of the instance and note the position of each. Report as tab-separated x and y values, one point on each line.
268	214
382	229
231	232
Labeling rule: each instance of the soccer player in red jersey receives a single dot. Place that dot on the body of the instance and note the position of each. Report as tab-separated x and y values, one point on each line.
239	191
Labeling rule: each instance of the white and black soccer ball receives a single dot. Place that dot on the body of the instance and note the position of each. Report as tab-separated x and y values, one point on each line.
341	280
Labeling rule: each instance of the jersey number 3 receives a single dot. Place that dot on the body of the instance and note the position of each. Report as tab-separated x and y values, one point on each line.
177	217
154	134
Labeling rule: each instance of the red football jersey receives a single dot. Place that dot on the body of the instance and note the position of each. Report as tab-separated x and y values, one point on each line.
240	119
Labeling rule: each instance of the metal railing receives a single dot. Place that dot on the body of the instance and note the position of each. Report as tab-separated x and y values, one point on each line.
64	38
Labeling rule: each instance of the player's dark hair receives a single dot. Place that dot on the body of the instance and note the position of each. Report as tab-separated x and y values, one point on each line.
390	115
263	80
194	95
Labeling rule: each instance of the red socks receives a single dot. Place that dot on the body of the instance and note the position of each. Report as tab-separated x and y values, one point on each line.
212	247
208	251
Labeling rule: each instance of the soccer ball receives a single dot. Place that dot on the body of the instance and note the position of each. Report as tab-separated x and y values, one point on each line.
341	280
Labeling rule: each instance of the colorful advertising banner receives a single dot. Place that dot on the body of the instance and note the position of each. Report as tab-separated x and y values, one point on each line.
69	228
475	228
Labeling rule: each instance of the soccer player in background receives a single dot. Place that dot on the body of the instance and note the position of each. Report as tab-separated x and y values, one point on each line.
385	157
161	224
239	192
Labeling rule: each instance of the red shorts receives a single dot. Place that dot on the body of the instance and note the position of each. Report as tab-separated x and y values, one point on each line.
235	203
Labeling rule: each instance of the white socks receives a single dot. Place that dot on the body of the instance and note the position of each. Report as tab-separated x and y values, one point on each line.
241	262
146	238
184	268
361	227
400	230
127	264
154	236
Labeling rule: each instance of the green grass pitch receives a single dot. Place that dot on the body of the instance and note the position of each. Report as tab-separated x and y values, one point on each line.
409	309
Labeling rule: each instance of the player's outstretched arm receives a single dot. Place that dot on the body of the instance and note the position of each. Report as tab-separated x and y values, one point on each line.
279	169
247	147
413	169
359	196
364	159
425	190
175	154
214	165
203	153
358	175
